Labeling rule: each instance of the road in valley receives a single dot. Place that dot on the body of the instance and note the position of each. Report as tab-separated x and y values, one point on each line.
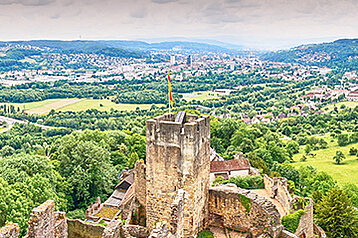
11	121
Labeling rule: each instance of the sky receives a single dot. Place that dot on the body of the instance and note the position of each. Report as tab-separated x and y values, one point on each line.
265	24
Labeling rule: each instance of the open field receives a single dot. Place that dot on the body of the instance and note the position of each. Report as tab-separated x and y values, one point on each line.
85	104
338	105
201	96
75	104
343	173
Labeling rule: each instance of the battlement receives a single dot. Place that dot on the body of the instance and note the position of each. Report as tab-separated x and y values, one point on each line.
166	128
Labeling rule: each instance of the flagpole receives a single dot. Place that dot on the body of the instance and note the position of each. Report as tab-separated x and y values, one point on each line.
168	92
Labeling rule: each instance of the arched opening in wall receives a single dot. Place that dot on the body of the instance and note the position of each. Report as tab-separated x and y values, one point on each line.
303	235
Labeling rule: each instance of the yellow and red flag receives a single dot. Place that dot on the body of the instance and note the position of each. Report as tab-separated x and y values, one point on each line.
170	90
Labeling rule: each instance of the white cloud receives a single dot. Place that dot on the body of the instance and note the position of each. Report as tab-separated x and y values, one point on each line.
250	21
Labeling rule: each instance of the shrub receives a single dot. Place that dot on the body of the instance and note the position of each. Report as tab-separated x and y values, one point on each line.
353	151
205	234
291	221
253	182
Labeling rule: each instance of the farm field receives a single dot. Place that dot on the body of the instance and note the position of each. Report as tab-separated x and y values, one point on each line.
349	104
346	172
75	104
201	96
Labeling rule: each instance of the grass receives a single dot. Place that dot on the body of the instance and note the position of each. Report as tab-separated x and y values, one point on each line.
349	104
346	172
200	95
103	105
75	104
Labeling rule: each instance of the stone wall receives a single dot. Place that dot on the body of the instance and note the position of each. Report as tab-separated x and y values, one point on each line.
318	231
113	230
80	229
277	187
305	227
178	157
93	208
244	211
42	221
11	230
61	228
140	182
177	221
287	234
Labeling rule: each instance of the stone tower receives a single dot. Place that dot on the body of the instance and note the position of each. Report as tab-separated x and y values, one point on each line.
178	169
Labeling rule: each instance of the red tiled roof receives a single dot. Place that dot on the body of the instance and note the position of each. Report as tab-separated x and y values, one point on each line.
229	165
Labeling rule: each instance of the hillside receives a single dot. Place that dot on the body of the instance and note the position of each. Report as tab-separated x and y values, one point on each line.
134	46
341	53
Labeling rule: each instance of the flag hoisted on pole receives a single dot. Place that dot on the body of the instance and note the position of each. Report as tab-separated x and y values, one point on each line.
170	92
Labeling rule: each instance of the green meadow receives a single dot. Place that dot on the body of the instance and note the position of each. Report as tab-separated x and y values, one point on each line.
75	104
346	172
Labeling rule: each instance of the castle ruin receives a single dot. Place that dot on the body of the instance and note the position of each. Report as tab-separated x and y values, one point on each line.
170	196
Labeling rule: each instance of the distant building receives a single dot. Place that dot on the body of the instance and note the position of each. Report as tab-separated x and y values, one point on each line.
238	166
189	60
352	96
172	59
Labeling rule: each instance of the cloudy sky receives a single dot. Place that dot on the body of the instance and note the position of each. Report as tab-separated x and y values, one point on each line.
253	23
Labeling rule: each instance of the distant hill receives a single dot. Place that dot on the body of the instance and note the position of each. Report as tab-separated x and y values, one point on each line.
130	46
341	53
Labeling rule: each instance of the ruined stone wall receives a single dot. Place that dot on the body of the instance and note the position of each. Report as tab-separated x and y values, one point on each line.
178	157
140	182
287	234
42	221
61	228
277	187
244	211
11	230
80	229
318	231
306	222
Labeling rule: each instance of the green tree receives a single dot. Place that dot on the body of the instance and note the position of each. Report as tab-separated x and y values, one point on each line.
86	166
293	147
133	159
308	149
339	157
336	215
352	192
343	140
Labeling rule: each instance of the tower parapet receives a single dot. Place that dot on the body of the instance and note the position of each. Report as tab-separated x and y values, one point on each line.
178	157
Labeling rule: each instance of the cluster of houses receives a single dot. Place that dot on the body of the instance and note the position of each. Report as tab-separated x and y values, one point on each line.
269	116
321	94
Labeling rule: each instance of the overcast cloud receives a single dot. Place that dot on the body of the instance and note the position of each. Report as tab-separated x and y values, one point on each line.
262	23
